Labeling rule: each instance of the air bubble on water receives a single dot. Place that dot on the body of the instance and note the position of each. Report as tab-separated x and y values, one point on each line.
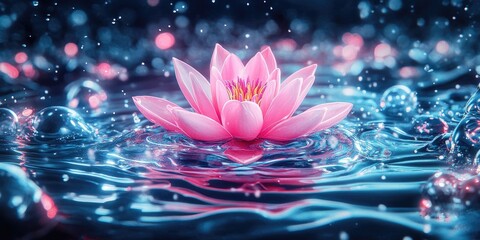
473	104
58	123
25	208
85	95
429	126
465	142
398	101
438	197
8	123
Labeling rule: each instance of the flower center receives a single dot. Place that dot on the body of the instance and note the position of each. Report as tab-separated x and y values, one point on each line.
245	90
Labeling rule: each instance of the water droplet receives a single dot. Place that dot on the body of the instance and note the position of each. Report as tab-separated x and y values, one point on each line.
8	123
25	209
59	123
136	119
86	95
429	125
35	3
398	101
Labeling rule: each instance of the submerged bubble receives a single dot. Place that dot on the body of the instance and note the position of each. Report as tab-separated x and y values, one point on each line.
60	124
8	123
429	125
398	101
25	209
465	142
86	95
439	193
473	104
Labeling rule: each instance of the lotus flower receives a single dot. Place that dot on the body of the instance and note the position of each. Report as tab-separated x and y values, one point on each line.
242	102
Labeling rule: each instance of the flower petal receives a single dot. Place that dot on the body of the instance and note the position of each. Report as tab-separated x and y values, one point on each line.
232	68
157	110
269	59
336	112
218	56
182	72
297	126
199	127
214	77
303	73
256	69
203	101
283	104
221	96
275	76
243	120
306	85
268	95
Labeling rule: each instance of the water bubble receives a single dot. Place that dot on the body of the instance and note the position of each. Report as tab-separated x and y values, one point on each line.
429	125
8	123
86	95
469	192
60	124
473	104
465	142
398	101
25	209
439	193
35	3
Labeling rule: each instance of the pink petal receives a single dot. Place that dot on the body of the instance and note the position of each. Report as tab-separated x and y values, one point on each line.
336	112
214	77
297	126
242	152
199	127
303	73
268	95
203	101
182	72
157	110
275	76
243	120
307	84
283	104
256	69
269	59
221	95
231	68
218	56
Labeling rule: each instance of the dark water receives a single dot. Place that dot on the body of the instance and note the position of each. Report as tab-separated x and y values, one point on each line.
402	165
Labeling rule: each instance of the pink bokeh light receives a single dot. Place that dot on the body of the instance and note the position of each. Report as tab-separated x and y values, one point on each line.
165	40
71	49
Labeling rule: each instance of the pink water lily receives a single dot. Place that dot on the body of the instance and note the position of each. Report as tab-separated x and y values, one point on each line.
242	102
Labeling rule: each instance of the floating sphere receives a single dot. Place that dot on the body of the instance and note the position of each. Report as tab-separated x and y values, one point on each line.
438	196
465	141
429	125
398	101
60	124
469	193
8	123
26	210
86	95
473	104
